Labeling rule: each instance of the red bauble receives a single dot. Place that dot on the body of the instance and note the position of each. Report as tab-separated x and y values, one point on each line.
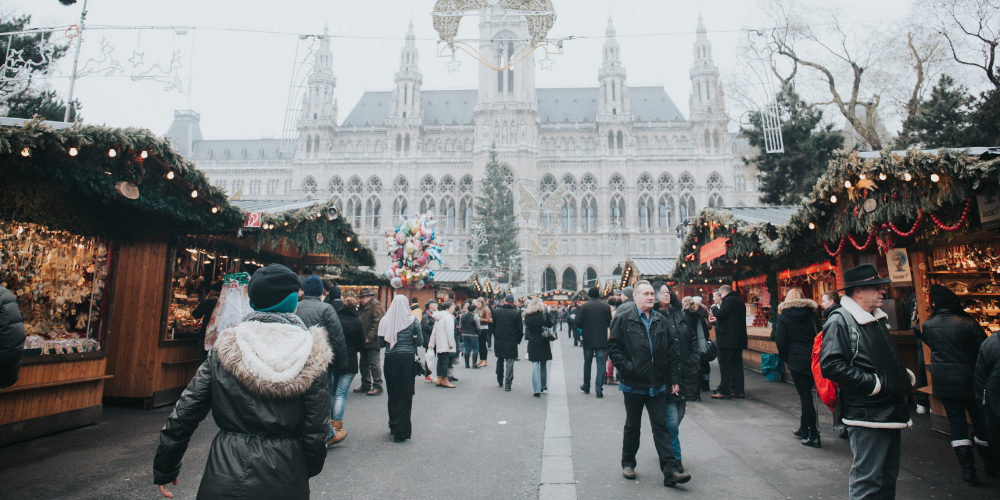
894	196
885	226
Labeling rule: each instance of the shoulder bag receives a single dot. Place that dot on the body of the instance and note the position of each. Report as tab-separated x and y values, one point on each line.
706	347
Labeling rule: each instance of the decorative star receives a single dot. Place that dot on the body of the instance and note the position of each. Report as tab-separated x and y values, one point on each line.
547	62
453	65
136	59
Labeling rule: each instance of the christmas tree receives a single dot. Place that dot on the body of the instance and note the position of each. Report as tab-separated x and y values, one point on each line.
495	215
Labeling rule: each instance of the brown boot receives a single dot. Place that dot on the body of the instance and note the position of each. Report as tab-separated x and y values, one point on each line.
339	434
447	383
439	383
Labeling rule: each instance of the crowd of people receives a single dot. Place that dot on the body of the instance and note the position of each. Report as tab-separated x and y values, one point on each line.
278	383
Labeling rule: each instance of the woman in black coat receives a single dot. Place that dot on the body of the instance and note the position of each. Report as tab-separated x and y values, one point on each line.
954	338
987	390
794	333
539	349
11	338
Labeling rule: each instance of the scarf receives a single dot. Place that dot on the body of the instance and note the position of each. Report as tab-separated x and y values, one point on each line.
396	319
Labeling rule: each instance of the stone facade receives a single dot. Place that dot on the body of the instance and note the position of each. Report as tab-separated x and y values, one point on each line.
631	165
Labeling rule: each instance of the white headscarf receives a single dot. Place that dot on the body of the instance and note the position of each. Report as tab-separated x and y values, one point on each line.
395	320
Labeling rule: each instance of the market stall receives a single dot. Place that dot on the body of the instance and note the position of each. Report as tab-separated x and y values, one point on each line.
921	218
456	284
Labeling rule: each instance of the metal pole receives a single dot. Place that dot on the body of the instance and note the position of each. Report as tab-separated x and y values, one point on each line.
76	61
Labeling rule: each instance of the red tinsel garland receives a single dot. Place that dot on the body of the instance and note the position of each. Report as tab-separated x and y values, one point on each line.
871	234
965	214
839	248
913	230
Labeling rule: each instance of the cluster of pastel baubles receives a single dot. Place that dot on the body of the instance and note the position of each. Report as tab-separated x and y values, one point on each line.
411	249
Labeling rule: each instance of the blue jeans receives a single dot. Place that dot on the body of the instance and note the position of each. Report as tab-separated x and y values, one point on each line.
339	386
588	354
675	413
538	376
470	346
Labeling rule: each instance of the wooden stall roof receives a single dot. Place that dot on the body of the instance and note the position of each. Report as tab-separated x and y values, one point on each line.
652	268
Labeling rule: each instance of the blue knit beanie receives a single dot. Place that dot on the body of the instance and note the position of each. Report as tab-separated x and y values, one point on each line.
313	286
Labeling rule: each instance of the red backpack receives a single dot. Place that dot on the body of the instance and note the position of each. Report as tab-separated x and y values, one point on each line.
826	389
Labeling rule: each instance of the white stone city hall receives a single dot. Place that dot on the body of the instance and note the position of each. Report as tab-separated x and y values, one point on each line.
632	166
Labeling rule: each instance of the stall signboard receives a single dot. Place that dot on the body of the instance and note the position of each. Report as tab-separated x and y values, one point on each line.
899	265
989	210
253	219
713	250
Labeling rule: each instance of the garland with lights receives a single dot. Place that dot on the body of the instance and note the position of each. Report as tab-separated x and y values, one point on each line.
301	228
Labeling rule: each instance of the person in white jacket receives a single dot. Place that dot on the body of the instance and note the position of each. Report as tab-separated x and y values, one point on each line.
443	341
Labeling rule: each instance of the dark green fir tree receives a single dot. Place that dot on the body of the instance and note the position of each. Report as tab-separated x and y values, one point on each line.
786	177
29	98
495	214
940	121
984	120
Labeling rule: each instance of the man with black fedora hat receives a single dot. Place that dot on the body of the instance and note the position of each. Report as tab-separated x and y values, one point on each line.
859	355
370	313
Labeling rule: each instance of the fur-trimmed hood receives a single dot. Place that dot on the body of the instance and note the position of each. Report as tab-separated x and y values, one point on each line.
274	360
788	304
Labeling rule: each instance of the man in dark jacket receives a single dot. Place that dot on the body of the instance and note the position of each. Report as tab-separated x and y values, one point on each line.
204	313
731	339
641	348
315	312
371	312
11	338
859	355
987	387
333	295
509	330
954	338
594	318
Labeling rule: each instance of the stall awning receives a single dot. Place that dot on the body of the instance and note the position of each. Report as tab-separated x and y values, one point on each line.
776	216
272	206
652	267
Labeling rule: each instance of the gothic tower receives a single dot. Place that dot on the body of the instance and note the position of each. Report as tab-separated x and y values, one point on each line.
707	104
614	116
318	120
406	108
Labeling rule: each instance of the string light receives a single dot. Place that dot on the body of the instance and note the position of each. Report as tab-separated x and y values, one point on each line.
833	199
881	177
907	176
73	151
348	239
194	194
812	226
935	177
25	152
215	210
143	155
112	153
847	184
170	175
861	176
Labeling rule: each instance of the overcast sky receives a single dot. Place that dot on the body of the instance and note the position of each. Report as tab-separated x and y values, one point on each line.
237	77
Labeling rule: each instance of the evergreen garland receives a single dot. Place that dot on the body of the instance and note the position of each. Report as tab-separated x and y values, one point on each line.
299	228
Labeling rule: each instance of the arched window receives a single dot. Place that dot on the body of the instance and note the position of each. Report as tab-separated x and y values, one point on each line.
549	279
406	143
686	182
569	280
708	140
645	144
617	183
373	211
618	211
399	143
571	145
620	136
665	183
375	185
568	215
354	211
590	144
450	213
645	212
548	184
448	184
465	185
426	205
309	144
465	214
590	278
665	212
588	213
427	185
335	186
686	208
401	185
569	182
715	182
611	140
508	175
399	207
588	184
545	145
645	183
740	182
309	187
715	200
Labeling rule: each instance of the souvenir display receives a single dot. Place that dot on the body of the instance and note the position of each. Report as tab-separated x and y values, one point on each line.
411	249
972	271
59	281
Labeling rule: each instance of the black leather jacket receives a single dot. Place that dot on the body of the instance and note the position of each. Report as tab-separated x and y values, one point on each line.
873	383
629	350
954	339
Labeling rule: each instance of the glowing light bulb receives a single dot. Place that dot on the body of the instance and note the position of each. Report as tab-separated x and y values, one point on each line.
348	239
847	184
907	177
935	177
170	175
194	194
812	226
143	155
833	199
26	152
881	177
215	210
861	176
73	151
112	153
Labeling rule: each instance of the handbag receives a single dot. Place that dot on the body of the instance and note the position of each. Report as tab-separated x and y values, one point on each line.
547	332
706	347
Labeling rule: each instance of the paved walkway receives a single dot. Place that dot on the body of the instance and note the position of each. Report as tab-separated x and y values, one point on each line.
478	441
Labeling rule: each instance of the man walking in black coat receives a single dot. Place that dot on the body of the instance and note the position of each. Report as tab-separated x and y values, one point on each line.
731	338
641	347
509	330
594	318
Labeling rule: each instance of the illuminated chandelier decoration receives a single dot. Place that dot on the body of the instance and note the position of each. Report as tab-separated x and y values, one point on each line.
540	16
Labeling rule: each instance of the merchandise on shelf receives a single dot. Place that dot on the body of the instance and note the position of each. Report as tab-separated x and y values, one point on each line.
970	270
59	280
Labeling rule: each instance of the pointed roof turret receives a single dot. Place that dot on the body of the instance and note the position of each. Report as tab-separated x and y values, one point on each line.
610	32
